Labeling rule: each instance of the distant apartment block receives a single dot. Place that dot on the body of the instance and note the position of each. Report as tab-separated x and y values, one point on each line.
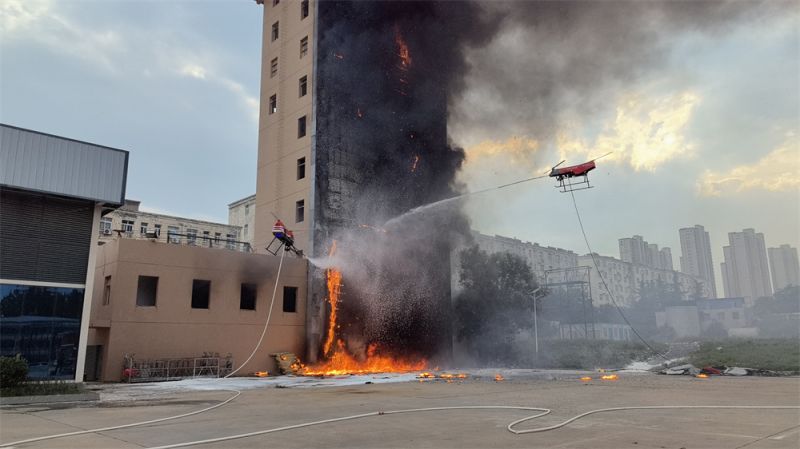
539	258
130	222
696	255
745	272
784	266
625	279
637	250
242	213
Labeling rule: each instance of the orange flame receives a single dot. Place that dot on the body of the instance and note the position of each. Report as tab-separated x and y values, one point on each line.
414	164
586	378
334	278
426	375
609	377
402	50
702	376
499	378
341	362
261	373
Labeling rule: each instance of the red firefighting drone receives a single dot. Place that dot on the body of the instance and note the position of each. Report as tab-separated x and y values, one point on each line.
574	177
285	239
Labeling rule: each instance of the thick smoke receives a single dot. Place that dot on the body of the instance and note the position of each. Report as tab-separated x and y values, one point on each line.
385	74
559	61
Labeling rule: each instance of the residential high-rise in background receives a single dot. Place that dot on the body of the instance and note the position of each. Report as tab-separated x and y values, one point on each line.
745	272
637	250
696	255
784	266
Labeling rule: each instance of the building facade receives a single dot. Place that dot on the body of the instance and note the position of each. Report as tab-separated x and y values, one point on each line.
242	213
540	258
745	272
163	301
53	191
130	222
636	250
784	266
696	255
625	280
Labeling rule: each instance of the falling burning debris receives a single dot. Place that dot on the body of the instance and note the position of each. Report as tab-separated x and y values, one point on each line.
334	281
448	377
402	50
499	378
426	375
414	164
702	376
586	378
609	377
261	373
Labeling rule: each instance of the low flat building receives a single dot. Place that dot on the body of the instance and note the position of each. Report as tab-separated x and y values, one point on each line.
53	191
154	300
130	222
540	258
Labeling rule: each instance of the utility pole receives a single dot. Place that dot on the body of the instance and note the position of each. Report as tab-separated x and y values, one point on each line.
535	323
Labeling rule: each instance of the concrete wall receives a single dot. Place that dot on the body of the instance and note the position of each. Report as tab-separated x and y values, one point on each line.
172	328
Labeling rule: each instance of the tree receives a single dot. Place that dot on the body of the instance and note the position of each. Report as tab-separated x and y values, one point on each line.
496	301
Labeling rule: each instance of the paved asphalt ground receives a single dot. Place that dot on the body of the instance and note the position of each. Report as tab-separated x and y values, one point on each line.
269	407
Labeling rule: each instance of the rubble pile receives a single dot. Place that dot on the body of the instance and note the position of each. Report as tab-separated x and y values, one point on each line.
691	370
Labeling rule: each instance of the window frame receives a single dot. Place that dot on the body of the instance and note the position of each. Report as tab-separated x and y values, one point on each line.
273	104
303	47
293	290
302	87
276	31
273	67
201	294
301	168
140	293
245	287
302	126
299	211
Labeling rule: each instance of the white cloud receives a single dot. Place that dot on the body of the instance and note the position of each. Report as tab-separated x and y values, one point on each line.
778	171
194	71
646	132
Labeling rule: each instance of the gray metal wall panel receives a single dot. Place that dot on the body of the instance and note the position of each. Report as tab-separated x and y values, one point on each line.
44	238
41	162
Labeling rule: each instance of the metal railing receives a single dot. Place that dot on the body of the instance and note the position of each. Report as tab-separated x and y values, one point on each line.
154	370
176	238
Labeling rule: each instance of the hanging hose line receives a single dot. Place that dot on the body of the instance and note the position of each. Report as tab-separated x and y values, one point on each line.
608	290
269	315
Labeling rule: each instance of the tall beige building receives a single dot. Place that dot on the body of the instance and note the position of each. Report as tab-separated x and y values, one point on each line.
242	213
696	255
784	266
745	272
283	185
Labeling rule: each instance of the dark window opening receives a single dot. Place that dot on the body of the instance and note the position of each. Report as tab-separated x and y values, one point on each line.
247	298
301	127
201	292
303	9
301	168
290	299
299	211
275	31
303	46
273	104
303	86
146	291
273	68
107	291
275	2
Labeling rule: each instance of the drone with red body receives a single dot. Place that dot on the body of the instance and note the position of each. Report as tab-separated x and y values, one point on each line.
574	177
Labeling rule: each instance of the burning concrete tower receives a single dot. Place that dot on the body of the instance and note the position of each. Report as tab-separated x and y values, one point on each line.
353	133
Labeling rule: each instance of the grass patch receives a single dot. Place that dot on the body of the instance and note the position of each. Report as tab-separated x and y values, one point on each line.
591	354
769	354
42	388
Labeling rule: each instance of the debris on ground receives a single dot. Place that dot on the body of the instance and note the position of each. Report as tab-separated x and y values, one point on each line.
691	370
288	363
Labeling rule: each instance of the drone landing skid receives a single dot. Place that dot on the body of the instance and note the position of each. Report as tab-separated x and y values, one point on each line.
573	183
274	249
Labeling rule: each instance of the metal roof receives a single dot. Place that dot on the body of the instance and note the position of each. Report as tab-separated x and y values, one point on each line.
42	162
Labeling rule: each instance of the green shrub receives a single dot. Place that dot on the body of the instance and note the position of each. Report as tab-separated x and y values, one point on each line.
13	371
42	388
770	354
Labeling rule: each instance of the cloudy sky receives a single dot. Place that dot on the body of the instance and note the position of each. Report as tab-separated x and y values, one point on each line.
700	106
